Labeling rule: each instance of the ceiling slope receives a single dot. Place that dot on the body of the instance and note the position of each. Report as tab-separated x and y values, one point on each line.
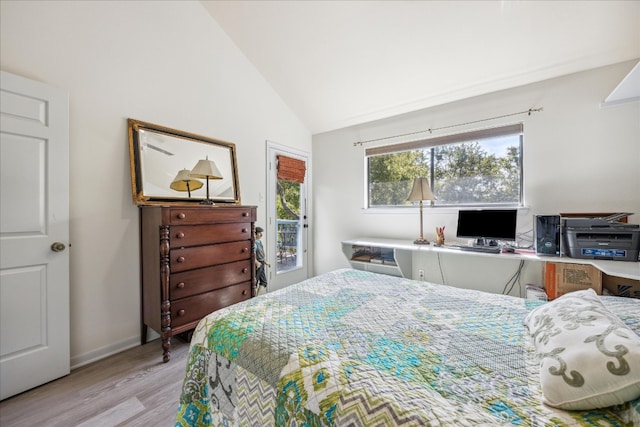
342	63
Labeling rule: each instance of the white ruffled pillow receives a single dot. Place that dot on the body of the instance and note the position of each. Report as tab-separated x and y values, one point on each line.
588	357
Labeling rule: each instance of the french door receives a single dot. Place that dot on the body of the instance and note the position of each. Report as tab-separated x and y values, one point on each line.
287	213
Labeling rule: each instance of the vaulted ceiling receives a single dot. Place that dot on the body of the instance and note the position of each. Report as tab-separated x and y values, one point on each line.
342	63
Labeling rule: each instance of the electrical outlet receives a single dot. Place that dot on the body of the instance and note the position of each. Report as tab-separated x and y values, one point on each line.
421	274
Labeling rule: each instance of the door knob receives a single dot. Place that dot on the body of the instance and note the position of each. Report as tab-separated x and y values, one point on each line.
58	247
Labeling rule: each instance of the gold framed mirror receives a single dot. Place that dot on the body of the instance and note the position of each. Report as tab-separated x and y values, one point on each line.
171	166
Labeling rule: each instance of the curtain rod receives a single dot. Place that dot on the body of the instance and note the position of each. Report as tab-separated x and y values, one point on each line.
430	130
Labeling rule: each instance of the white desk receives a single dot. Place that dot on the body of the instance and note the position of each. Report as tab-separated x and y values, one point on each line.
403	250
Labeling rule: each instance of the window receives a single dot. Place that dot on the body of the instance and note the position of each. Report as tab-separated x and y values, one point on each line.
482	167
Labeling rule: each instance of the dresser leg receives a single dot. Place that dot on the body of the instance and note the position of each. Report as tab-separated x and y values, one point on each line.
166	347
143	334
165	322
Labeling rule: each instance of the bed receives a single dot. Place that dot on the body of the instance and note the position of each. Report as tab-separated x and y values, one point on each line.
355	348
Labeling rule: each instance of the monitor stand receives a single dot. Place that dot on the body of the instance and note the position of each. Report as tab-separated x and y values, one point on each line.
485	242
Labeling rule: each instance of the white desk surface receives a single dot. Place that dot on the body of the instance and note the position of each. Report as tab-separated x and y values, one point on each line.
626	269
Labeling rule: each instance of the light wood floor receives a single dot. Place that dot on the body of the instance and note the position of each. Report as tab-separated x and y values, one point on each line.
132	388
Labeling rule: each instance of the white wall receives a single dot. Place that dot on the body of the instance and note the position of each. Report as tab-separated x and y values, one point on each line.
578	157
165	62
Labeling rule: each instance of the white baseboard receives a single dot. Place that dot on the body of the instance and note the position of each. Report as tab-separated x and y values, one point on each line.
102	352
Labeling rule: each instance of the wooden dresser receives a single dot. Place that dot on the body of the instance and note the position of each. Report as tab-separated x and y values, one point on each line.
195	259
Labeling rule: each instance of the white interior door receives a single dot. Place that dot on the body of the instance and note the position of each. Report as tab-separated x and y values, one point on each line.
287	228
34	234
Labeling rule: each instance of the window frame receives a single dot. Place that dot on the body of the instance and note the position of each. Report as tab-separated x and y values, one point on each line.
450	139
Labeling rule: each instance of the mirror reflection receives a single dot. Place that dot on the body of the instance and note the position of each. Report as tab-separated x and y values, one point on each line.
170	165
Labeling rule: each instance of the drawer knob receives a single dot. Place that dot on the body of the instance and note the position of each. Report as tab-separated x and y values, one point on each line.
244	292
244	230
181	285
180	235
182	215
245	249
180	312
180	259
244	270
245	213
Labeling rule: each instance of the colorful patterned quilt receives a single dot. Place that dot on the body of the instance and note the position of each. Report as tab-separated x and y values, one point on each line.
353	348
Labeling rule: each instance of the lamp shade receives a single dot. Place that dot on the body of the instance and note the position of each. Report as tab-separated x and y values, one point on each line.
421	190
184	181
206	169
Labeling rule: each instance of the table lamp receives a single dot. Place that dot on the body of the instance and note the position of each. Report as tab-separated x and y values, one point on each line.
421	191
206	169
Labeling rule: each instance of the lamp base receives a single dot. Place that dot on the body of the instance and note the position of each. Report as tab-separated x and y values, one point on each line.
421	241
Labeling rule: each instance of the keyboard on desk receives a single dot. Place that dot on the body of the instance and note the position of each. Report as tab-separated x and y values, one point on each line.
485	249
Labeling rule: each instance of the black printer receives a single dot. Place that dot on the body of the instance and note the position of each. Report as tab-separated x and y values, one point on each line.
601	238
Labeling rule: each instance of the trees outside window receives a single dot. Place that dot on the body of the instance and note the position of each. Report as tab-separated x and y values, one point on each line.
288	201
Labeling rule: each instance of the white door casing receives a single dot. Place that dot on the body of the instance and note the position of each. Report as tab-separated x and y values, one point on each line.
34	215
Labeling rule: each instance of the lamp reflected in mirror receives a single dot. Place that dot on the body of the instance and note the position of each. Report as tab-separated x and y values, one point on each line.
206	169
421	191
185	182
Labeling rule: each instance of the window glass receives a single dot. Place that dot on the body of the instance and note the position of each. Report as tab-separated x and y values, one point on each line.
464	171
288	225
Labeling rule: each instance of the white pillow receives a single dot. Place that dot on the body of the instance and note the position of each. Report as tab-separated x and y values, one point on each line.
588	357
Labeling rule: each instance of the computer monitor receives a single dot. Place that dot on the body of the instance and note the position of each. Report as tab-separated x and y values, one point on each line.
487	225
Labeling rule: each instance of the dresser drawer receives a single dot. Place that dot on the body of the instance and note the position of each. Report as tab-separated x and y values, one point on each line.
203	256
194	308
194	215
194	235
206	279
